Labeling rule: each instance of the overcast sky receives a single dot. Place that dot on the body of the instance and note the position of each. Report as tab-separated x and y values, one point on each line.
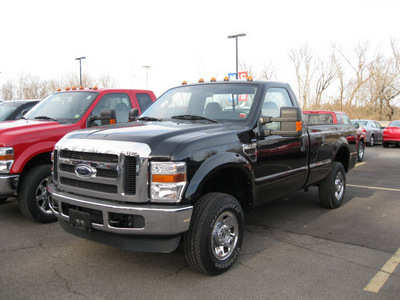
180	40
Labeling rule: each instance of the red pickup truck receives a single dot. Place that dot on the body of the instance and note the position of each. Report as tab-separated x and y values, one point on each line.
26	144
338	118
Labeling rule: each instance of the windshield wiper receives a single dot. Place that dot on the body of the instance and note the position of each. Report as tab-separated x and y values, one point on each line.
148	119
44	118
193	117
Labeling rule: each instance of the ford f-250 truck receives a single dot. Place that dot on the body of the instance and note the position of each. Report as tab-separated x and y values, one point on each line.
188	169
26	145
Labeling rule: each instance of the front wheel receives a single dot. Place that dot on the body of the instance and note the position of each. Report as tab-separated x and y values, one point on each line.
32	195
360	151
332	189
212	243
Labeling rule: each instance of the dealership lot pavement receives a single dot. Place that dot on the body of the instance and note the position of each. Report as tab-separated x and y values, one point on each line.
293	249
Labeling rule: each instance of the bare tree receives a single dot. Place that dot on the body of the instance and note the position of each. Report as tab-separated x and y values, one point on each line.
326	75
106	81
7	90
360	74
304	65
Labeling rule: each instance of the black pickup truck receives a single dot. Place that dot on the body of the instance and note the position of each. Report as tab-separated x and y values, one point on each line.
198	159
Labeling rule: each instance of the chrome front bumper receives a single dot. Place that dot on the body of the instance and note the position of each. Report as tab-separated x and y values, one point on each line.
8	185
161	220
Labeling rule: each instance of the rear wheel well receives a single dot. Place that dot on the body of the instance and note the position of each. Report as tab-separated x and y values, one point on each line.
343	156
232	181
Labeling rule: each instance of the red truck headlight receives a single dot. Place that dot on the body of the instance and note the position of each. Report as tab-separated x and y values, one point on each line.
167	181
6	159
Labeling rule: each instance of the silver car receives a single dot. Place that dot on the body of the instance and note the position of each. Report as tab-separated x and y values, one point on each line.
373	131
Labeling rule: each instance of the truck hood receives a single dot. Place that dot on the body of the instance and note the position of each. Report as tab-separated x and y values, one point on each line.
24	129
162	137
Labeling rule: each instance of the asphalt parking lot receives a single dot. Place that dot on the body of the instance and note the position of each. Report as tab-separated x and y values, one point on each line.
293	249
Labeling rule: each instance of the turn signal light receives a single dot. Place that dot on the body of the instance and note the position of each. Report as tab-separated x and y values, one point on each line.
299	126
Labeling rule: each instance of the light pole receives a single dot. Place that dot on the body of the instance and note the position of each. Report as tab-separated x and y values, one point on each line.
237	60
147	75
80	68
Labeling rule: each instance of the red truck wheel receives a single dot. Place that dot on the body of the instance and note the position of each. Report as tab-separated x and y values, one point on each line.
32	195
332	189
213	241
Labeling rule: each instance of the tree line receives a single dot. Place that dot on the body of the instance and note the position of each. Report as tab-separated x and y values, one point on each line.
28	86
363	82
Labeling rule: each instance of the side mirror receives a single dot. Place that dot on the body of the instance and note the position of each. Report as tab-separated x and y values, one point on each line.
357	125
133	114
291	122
107	117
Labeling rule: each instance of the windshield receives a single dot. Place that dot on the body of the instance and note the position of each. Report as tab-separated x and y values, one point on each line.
394	124
361	123
7	108
220	102
317	118
64	107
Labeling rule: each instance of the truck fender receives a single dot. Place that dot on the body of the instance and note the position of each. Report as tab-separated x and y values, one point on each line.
24	157
342	153
214	164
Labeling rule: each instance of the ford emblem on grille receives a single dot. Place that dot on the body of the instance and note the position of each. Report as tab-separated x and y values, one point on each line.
84	170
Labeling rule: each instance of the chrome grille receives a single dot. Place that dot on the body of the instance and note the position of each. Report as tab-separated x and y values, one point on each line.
107	170
100	187
110	158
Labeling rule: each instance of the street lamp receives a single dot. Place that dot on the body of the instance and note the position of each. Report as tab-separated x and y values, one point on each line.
237	61
147	75
80	68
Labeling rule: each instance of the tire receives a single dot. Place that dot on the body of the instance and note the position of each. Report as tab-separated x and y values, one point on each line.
213	241
2	200
32	195
385	145
332	189
372	141
360	151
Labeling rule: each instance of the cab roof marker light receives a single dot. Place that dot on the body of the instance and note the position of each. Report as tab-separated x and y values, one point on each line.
74	88
226	78
81	88
249	78
213	79
67	88
201	80
58	90
95	88
184	82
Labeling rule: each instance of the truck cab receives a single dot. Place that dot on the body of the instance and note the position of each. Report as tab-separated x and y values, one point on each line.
26	144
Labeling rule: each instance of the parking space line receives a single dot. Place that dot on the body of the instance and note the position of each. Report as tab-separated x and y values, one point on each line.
374	187
382	276
360	164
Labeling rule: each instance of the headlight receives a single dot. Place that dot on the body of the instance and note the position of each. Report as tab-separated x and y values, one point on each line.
6	159
168	180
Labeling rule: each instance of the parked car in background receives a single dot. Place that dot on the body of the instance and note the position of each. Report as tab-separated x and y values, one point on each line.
340	118
373	131
391	134
14	109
